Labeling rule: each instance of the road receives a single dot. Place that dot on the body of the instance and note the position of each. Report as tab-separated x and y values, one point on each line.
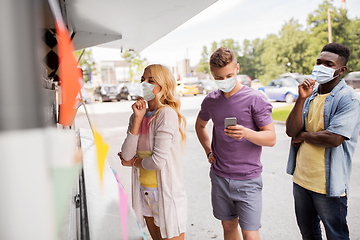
278	218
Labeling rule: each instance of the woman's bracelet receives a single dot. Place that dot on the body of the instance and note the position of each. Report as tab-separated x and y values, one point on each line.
133	164
209	154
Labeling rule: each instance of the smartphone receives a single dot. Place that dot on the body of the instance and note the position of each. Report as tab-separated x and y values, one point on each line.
230	121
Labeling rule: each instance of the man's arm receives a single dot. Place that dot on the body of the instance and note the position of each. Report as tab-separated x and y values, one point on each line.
265	137
323	139
341	126
294	120
203	136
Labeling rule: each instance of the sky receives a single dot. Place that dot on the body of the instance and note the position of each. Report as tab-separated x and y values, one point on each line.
236	19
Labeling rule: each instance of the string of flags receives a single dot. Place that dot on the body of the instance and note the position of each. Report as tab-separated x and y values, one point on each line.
70	81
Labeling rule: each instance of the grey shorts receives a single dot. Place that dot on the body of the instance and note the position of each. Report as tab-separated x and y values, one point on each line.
241	199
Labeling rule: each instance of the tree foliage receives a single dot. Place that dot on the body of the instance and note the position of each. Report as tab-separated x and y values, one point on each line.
137	64
295	48
203	66
354	42
87	63
250	58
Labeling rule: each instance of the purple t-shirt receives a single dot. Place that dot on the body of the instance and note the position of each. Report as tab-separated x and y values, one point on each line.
236	159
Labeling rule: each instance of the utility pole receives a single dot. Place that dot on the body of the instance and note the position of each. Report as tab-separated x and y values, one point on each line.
343	4
329	25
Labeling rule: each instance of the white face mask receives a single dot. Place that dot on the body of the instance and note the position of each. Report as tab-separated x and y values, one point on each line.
147	90
323	74
227	85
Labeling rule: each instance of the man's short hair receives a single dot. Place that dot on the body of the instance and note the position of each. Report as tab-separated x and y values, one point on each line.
222	57
339	49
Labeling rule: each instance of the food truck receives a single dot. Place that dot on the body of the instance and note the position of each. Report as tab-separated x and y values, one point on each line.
49	184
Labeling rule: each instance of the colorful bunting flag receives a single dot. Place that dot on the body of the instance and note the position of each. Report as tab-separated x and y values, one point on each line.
101	149
123	206
69	73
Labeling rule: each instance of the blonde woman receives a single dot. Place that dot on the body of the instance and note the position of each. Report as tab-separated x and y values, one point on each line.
153	148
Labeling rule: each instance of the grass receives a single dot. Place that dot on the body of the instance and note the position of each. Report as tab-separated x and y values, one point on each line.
281	113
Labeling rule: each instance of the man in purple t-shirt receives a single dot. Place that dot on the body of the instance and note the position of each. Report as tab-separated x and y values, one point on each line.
234	153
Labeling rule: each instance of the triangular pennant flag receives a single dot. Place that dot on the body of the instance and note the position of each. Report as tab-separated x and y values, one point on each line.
122	200
69	73
123	206
101	149
69	77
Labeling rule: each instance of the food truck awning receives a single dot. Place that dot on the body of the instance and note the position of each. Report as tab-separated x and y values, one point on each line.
125	24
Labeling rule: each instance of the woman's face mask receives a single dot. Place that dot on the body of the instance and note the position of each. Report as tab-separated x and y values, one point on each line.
147	89
323	74
226	85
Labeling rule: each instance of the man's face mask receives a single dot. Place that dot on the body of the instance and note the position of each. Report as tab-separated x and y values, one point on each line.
323	74
226	85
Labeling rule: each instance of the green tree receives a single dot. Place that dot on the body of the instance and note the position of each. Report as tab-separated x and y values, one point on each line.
129	57
292	45
136	66
285	52
271	59
257	51
294	49
318	29
203	66
250	59
87	63
232	45
245	60
214	46
354	45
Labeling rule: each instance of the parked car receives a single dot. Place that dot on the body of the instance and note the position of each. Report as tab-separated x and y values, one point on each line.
293	75
282	89
297	76
300	78
353	79
86	96
105	92
206	85
129	91
244	79
184	88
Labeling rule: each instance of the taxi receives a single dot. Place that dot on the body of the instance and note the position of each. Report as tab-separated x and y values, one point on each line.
186	88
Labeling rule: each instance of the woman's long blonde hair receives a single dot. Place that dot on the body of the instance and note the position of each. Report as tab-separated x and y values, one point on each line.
167	97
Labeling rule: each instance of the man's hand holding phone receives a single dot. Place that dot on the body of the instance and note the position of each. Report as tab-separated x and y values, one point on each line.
233	130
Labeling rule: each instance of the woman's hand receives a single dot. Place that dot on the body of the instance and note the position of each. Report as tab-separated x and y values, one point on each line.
126	163
139	108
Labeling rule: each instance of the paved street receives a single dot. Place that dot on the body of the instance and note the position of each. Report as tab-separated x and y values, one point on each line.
278	219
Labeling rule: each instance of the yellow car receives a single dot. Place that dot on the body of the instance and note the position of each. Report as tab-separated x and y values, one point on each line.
183	88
